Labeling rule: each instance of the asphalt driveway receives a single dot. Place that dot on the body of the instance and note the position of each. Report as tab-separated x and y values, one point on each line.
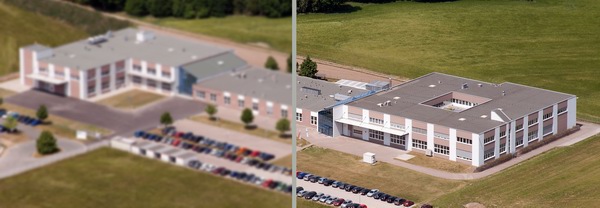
120	122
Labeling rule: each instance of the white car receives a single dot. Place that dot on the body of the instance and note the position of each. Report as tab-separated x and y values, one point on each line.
324	198
301	193
331	200
372	192
345	204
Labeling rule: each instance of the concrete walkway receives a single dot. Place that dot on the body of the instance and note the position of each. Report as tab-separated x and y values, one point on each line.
387	154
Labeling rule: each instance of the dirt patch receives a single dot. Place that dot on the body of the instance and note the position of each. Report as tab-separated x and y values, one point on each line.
474	205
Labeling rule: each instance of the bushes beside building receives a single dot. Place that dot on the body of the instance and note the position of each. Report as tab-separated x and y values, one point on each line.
92	23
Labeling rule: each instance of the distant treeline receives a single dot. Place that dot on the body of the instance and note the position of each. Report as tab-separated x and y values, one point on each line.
92	23
191	9
313	6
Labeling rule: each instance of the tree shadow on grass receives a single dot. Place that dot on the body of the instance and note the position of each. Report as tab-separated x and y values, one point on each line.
344	8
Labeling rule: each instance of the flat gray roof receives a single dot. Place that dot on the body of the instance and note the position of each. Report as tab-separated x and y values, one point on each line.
162	49
517	101
264	84
214	65
316	102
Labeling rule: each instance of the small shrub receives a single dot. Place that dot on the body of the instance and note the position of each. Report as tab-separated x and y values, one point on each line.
46	143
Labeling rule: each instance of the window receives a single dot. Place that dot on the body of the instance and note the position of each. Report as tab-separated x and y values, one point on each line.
356	131
488	154
137	68
519	141
441	136
502	133
241	103
165	86
166	74
374	134
375	120
298	116
465	155
488	140
284	113
151	83
502	147
91	89
532	135
120	82
464	140
419	130
532	121
547	116
105	85
561	110
441	149
200	94
227	100
255	106
91	74
313	120
105	72
547	129
269	109
136	79
43	70
120	68
419	144
356	117
519	127
397	126
59	73
396	139
152	71
213	97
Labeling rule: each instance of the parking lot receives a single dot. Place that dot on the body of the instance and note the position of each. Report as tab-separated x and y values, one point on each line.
121	123
336	192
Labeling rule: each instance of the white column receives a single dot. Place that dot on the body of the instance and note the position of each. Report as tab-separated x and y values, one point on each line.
35	63
554	118
386	139
525	130
365	116
571	112
51	70
387	121
67	72
159	74
497	142
477	150
144	65
82	85
452	144
22	66
408	129
512	137
430	140
344	111
540	125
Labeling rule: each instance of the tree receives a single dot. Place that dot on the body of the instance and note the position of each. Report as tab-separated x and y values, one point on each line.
159	8
10	123
211	110
166	119
282	125
308	68
46	143
271	64
247	116
289	63
42	113
136	7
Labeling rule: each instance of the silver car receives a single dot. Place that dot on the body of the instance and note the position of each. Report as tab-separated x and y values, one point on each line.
346	203
324	198
301	193
372	192
331	200
317	197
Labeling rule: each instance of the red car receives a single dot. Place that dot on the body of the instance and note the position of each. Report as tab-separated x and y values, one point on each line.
176	142
338	202
218	170
363	206
267	183
408	203
255	153
178	134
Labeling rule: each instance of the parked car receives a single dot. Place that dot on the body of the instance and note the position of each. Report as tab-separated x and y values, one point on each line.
364	191
310	195
314	179
338	202
372	192
328	182
391	199
384	197
336	184
301	193
378	195
321	180
300	175
324	198
331	200
408	203
349	187
357	189
342	185
346	203
399	201
317	197
307	176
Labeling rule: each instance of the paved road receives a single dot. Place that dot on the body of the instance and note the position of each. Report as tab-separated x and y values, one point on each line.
120	122
387	154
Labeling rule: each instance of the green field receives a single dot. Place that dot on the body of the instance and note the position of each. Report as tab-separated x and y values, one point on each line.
565	177
19	28
390	179
111	178
276	33
552	44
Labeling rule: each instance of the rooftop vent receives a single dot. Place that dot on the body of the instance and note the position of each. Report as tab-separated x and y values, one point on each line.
96	39
143	36
462	119
480	85
349	91
380	104
220	62
464	86
432	86
396	98
503	93
484	116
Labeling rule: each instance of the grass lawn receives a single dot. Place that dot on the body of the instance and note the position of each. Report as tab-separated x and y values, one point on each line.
284	161
111	178
303	203
19	28
131	99
274	32
58	125
565	176
388	178
552	44
239	127
439	163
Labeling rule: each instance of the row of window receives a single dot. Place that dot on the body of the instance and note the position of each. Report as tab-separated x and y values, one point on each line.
532	135
441	136
463	102
397	139
419	144
561	110
441	149
532	121
464	140
151	71
547	116
375	120
488	139
419	130
377	135
397	126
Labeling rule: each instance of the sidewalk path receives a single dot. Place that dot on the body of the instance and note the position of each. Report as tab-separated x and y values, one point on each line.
387	154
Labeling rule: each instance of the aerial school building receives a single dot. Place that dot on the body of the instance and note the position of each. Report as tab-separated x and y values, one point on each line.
456	118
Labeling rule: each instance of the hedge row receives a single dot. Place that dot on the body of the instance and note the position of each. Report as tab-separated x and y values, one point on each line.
547	140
